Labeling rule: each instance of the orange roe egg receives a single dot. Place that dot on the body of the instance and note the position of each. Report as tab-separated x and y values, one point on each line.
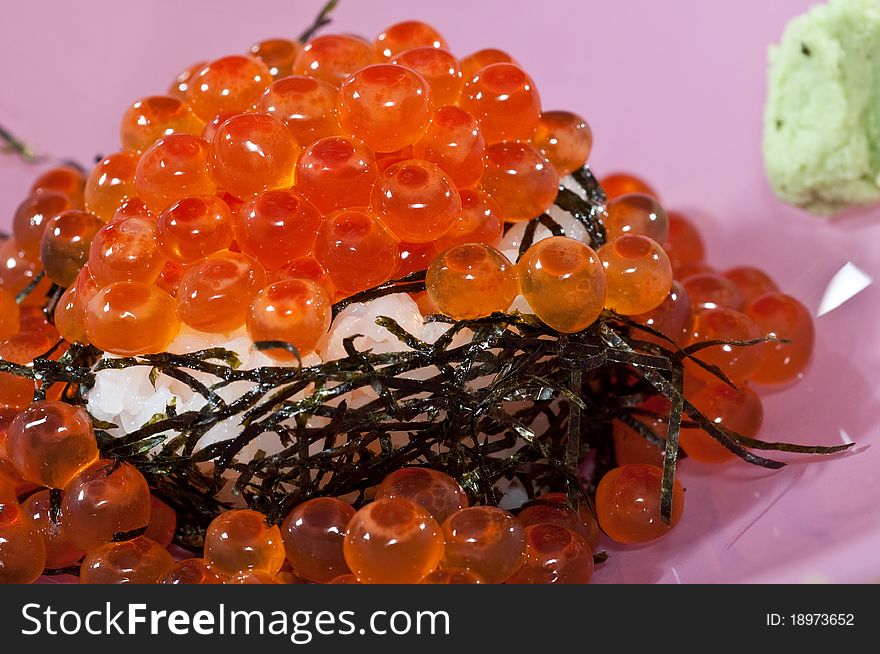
307	106
434	491
563	281
616	185
110	183
416	200
554	555
356	250
331	58
105	499
737	362
636	213
673	318
384	160
33	319
170	277
628	503
241	541
65	245
131	318
313	534
86	288
520	179
475	62
10	315
348	580
22	549
481	221
565	139
181	84
66	180
406	36
295	311
233	83
216	292
471	281
392	541
505	101
690	269
154	117
455	143
277	226
386	106
337	172
172	168
194	227
18	271
452	576
252	153
252	577
440	70
487	541
751	282
125	250
60	552
738	410
213	126
306	267
21	348
134	208
67	320
50	442
32	216
277	54
712	291
553	508
163	522
783	317
191	571
638	276
684	245
631	447
136	561
414	257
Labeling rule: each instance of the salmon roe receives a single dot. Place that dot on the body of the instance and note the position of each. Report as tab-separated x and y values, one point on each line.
337	172
313	534
481	221
131	318
455	143
638	276
194	227
60	552
712	291
637	213
476	61
783	317
240	541
736	409
565	139
277	226
294	311
674	318
471	281
505	101
440	70
233	83
331	58
31	218
151	118
191	571
739	363
553	508
616	185
452	576
136	561
127	249
405	36
435	491
110	183
66	180
22	549
752	282
171	169
307	106
486	540
554	555
628	503
521	180
10	315
277	54
65	245
163	522
684	245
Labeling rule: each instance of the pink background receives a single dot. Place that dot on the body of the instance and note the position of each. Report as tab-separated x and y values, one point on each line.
674	91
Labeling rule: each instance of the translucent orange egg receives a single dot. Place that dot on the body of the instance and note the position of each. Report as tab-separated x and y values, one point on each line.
337	172
60	552
487	541
616	185
738	410
125	250
21	348
170	277
307	106
356	250
434	491
251	153
163	522
50	442
440	70
65	245
10	315
332	58
636	213
66	180
313	534
452	576
455	143
105	499
783	317
233	83
631	447
384	160
110	183
520	179
32	216
386	106
505	101
683	245
295	311
392	541
240	541
414	257
405	36
277	54
752	282
136	561
171	169
277	226
131	318
154	117
134	207
18	271
553	508
33	319
713	291
67	320
216	292
194	227
191	571
86	288
181	84
22	549
565	139
564	283
481	221
628	503
739	363
471	281
674	318
306	267
554	555
638	276
690	269
475	62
